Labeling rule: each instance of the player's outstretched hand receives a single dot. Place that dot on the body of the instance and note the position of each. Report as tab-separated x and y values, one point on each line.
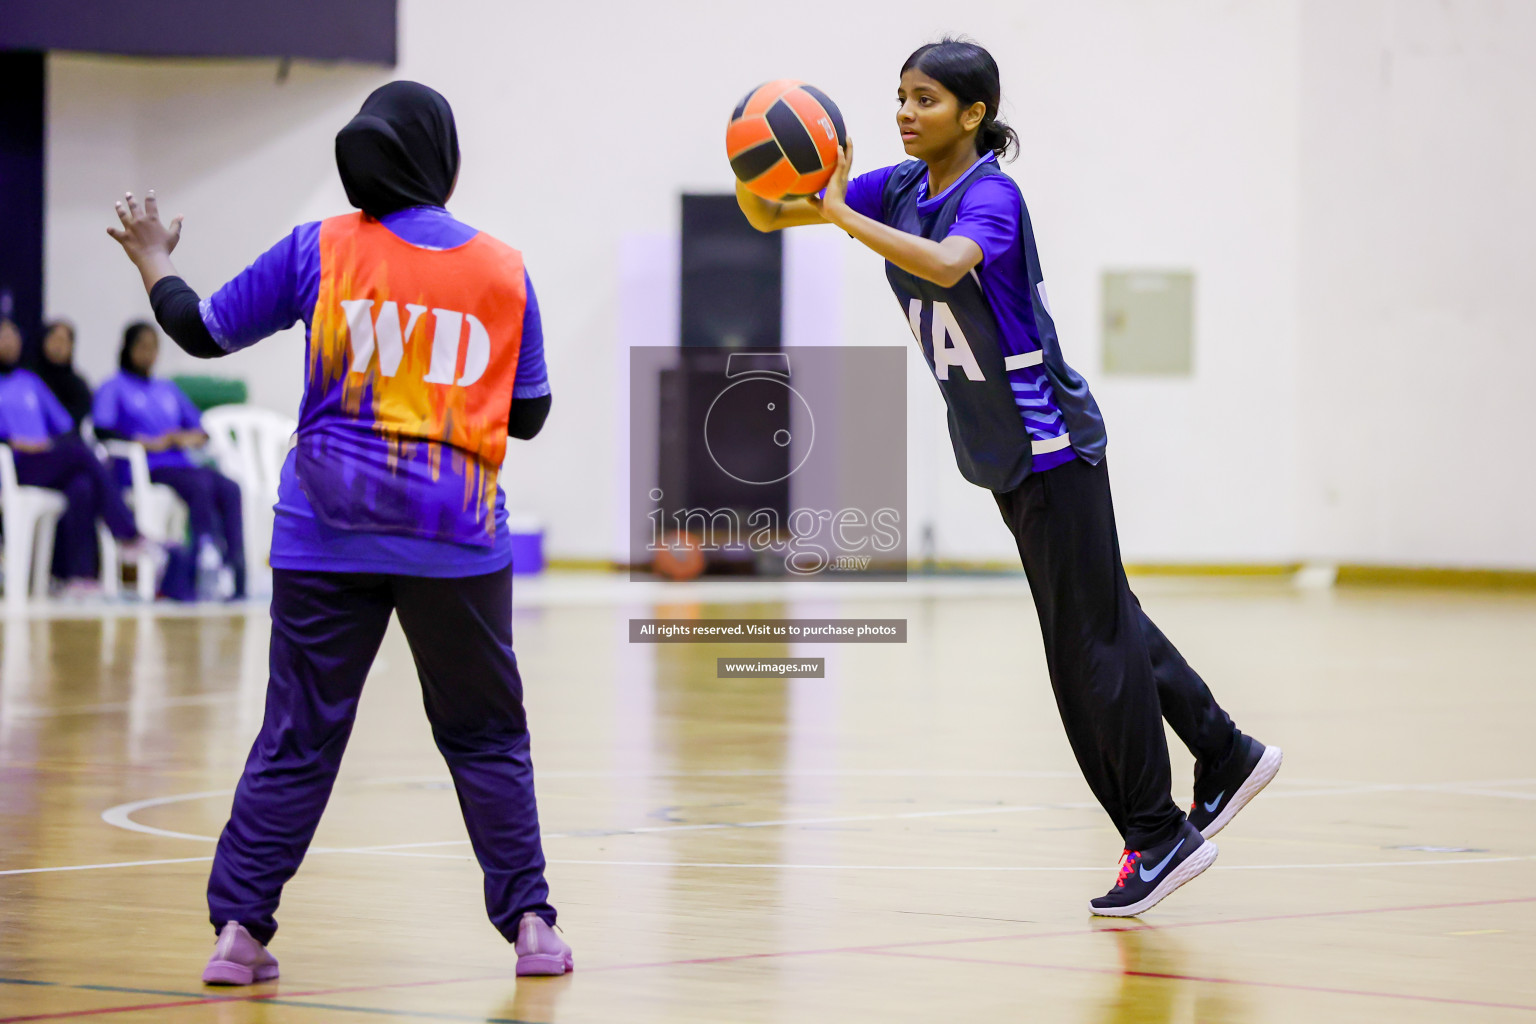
142	234
147	242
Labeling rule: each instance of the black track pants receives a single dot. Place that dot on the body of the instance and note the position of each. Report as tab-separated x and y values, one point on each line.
1114	673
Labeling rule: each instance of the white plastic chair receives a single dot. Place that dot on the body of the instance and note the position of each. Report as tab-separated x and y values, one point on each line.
250	444
158	512
31	520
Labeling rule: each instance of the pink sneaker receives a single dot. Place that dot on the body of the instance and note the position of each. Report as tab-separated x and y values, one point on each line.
539	949
80	590
238	959
140	550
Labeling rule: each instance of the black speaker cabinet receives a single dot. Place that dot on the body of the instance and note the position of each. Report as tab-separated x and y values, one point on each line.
732	278
725	420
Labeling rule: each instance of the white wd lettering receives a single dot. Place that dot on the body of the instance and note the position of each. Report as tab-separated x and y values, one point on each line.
478	357
389	338
445	348
826	126
388	335
945	355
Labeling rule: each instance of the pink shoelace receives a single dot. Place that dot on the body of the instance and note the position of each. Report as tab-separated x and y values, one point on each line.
1128	861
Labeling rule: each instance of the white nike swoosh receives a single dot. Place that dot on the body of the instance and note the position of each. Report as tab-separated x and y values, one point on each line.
1151	876
1210	808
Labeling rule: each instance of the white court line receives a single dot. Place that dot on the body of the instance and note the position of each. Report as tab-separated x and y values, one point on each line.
1329	786
121	815
1019	867
409	846
1373	864
959	867
392	848
754	773
617	590
43	610
781	822
803	867
116	864
1361	782
41	711
1437	788
1458	791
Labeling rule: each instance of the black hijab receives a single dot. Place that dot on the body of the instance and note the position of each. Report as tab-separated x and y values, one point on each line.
124	354
401	150
6	368
67	386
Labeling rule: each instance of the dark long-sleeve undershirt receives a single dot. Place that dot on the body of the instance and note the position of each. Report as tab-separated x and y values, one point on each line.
176	308
526	417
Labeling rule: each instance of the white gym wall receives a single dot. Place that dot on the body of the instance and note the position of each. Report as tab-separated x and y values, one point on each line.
1349	181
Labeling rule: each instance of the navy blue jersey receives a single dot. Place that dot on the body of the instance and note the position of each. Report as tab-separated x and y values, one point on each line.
1014	403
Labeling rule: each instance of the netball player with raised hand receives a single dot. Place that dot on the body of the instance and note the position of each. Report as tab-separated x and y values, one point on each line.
424	354
961	258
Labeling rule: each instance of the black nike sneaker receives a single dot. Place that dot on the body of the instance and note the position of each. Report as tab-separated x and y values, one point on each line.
1223	791
1147	876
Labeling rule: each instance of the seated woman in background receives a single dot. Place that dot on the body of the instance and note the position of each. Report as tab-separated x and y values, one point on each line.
49	453
135	406
54	363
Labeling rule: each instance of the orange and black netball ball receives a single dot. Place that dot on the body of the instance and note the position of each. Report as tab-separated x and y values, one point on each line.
783	139
681	557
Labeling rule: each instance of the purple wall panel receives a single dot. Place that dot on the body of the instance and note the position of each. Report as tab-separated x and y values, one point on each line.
359	30
22	87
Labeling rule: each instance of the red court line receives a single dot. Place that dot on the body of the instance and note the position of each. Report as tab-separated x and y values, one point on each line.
1061	934
120	1009
250	998
739	957
1292	986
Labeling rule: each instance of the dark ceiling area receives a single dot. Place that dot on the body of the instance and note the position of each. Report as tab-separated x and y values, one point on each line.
351	30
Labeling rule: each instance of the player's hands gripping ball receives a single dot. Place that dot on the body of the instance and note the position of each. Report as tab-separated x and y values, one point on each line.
837	186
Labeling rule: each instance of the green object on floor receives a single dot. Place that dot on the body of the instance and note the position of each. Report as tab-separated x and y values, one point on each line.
207	392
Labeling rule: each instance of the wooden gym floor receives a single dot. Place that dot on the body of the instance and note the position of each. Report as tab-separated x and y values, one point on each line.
905	840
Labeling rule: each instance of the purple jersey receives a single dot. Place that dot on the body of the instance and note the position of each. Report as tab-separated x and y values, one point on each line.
139	407
281	288
989	214
28	410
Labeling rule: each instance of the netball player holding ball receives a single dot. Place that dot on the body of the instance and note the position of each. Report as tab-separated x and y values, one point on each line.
960	256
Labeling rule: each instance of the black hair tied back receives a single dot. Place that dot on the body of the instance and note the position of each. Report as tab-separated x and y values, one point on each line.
968	71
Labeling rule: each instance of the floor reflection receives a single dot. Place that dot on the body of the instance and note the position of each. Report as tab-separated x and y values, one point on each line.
106	702
534	1000
1157	985
726	740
